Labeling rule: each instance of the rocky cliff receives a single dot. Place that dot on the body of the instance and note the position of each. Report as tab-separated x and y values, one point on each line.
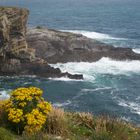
55	46
16	58
28	53
13	31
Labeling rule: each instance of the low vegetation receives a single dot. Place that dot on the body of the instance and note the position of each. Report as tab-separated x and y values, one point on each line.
57	123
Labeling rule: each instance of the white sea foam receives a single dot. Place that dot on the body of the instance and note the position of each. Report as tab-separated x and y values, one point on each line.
103	66
137	50
87	91
62	104
96	89
64	79
82	93
94	35
26	83
133	106
127	119
4	94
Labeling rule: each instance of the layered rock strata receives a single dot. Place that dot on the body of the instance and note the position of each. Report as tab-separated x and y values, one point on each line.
16	58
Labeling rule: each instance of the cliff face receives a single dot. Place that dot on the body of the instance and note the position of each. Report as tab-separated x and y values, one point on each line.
16	58
13	45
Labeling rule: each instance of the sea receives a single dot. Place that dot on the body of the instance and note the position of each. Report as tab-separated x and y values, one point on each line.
109	87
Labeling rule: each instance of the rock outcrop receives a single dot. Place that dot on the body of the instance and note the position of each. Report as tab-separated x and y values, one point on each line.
13	31
16	58
55	46
28	53
13	45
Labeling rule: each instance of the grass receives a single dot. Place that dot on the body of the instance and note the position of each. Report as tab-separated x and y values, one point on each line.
6	135
57	122
63	125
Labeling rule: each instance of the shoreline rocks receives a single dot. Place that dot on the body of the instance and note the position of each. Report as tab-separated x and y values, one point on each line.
16	58
56	46
29	51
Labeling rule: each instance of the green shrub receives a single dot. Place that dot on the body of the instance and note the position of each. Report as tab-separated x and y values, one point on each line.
26	110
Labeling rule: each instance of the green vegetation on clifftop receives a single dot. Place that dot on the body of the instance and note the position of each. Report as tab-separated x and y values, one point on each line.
77	126
26	116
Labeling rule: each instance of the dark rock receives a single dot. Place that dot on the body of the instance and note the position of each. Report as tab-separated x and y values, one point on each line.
29	53
16	58
55	46
45	70
75	76
41	70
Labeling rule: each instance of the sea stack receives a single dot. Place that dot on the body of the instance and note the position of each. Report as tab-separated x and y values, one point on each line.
16	58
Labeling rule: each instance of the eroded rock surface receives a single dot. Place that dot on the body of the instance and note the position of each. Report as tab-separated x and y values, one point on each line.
55	46
28	51
16	58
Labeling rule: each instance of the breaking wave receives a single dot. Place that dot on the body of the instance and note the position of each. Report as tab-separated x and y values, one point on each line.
103	66
137	50
94	35
4	94
64	79
62	104
132	106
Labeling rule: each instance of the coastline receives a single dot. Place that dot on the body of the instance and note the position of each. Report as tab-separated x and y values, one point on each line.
50	46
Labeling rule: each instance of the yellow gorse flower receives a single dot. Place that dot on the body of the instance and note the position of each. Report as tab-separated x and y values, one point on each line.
45	107
27	93
15	115
27	109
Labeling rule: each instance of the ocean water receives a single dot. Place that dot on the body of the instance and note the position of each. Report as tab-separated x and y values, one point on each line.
109	87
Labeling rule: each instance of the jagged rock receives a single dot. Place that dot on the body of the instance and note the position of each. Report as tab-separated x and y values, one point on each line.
30	55
13	45
55	46
13	29
16	58
45	70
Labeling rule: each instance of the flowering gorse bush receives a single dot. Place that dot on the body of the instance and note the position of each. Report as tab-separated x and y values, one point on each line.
27	110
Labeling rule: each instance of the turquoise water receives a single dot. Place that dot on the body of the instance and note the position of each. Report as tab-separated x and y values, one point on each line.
109	87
